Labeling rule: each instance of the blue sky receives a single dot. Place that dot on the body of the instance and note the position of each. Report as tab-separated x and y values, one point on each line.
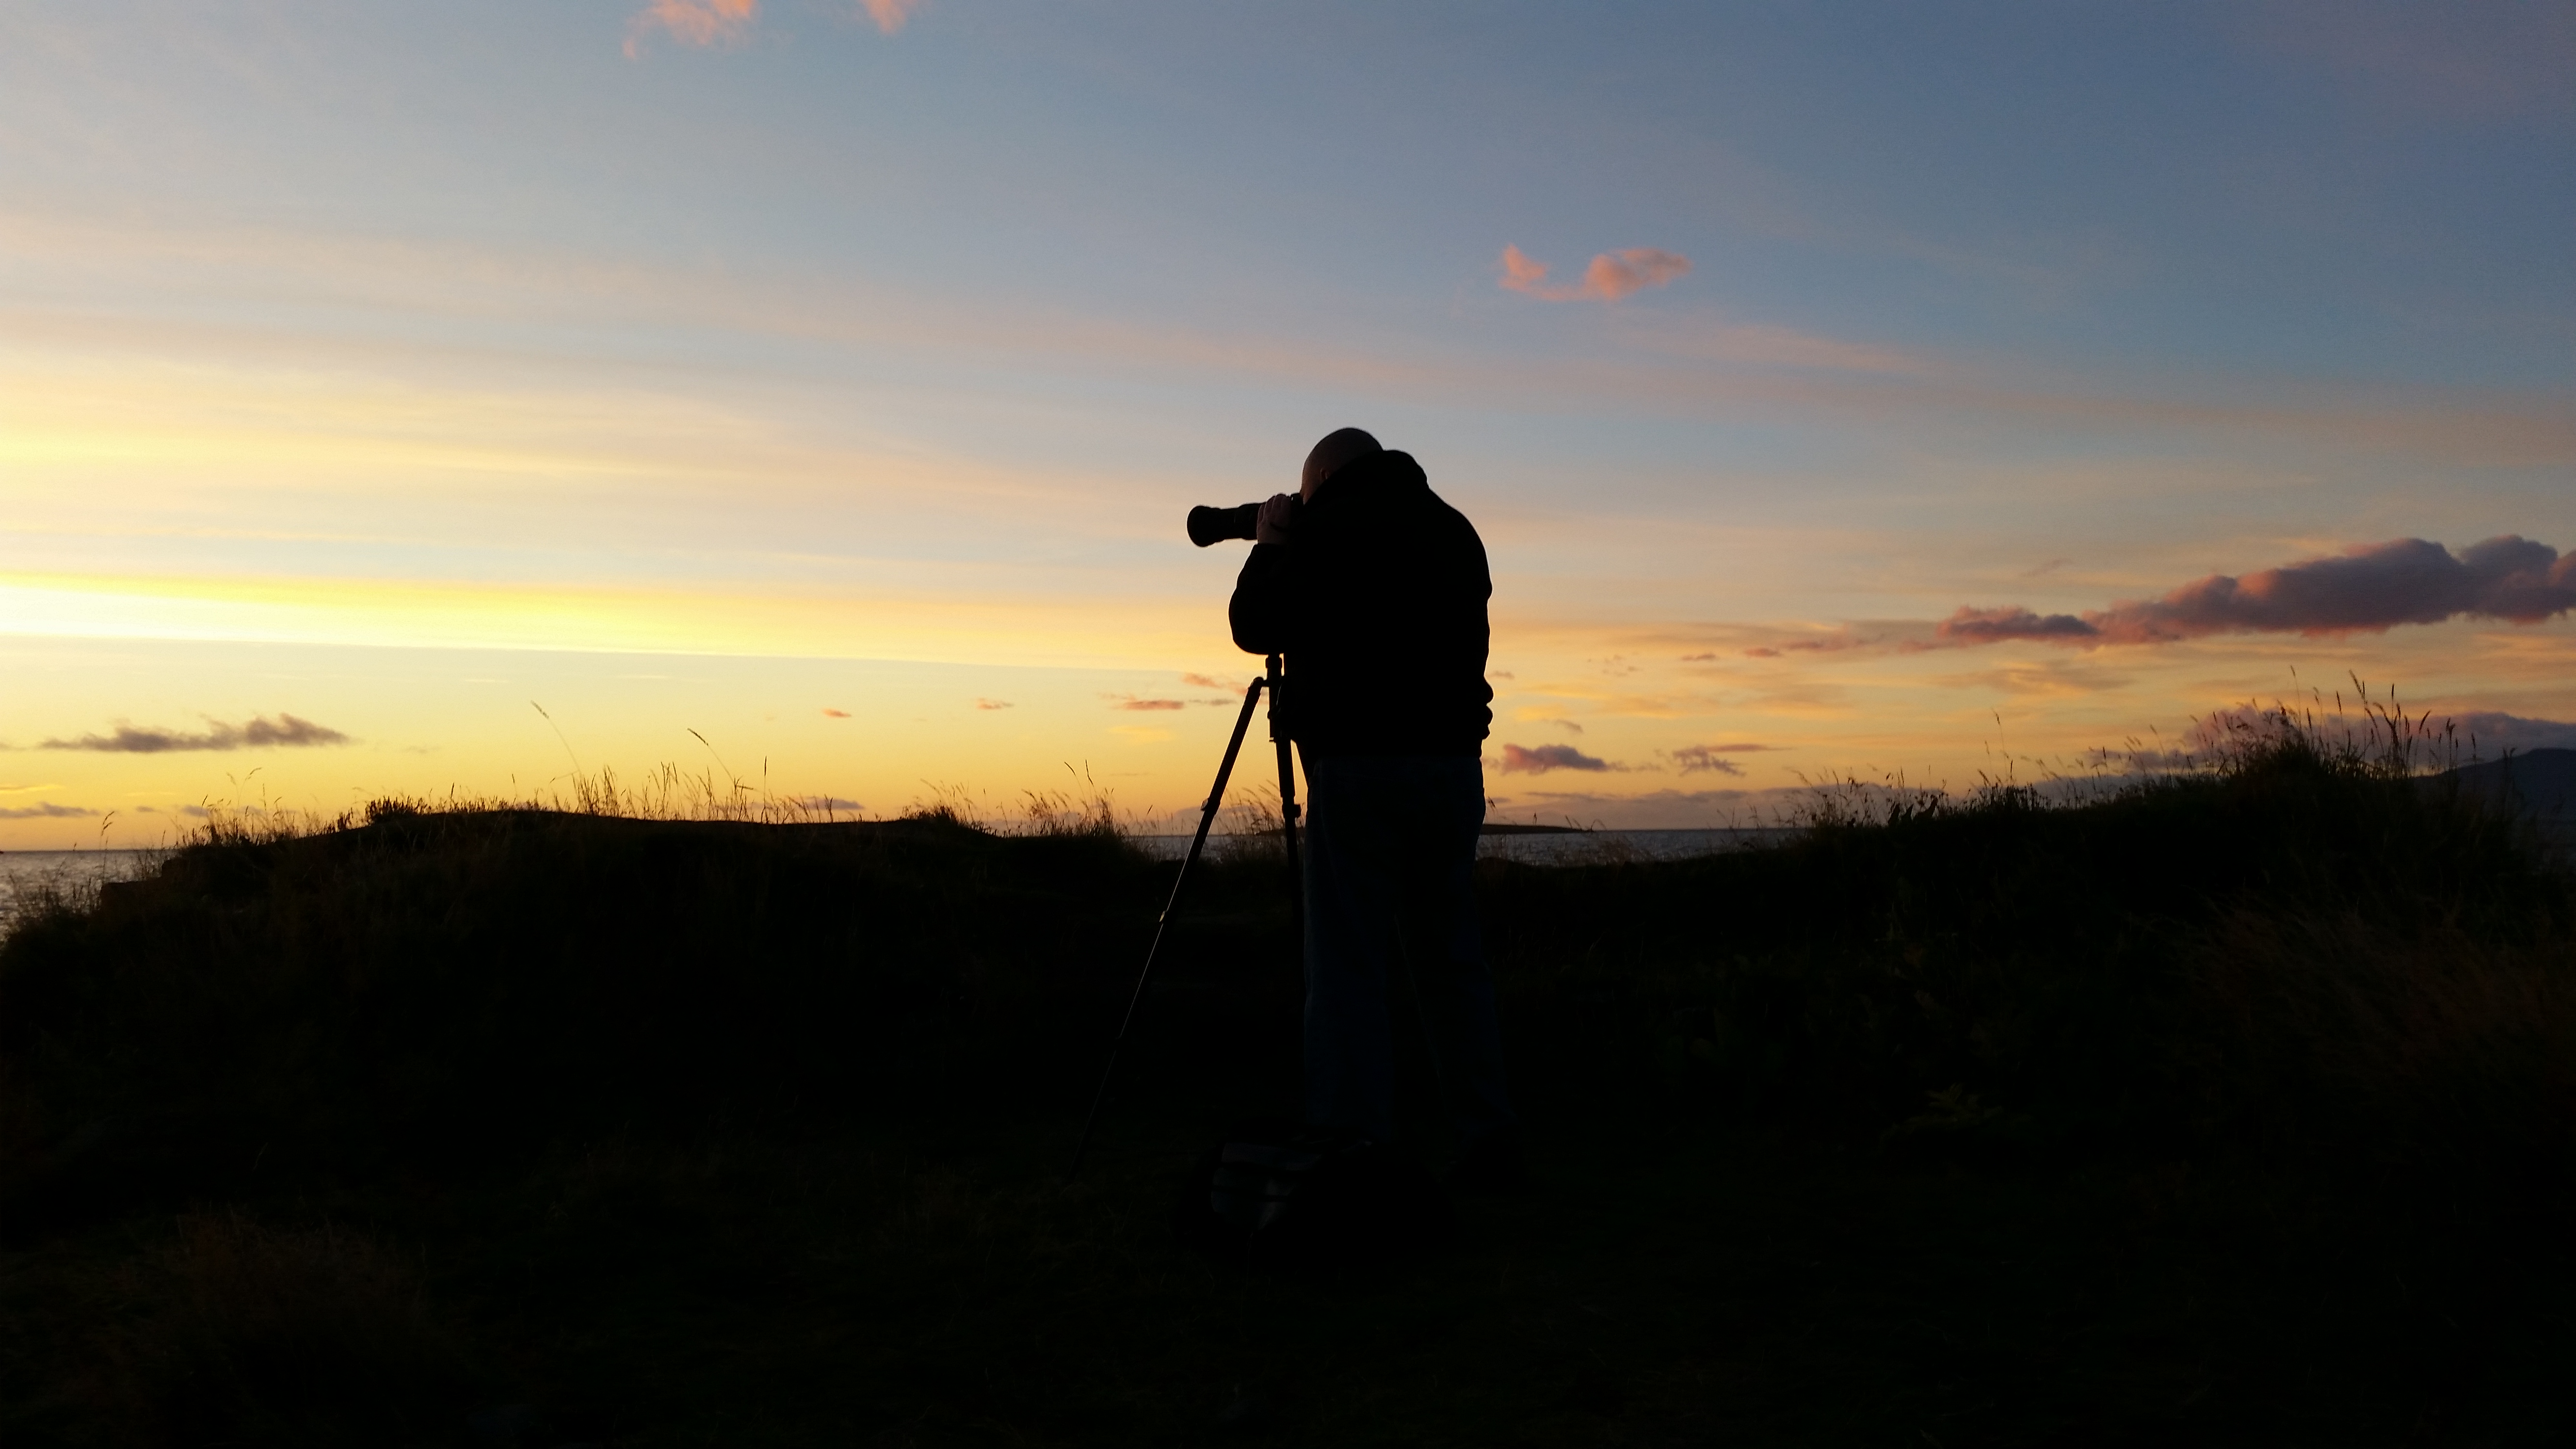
801	333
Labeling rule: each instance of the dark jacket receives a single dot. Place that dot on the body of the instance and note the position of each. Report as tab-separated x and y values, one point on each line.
1379	606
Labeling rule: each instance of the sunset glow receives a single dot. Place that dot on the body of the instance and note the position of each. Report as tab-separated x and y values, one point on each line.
503	391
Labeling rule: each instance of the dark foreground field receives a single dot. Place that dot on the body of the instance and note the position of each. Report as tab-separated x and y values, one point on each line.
2238	1111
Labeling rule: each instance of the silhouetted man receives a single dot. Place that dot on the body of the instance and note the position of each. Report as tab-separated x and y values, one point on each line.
1375	591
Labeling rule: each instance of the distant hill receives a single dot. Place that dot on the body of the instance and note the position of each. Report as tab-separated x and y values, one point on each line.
2542	782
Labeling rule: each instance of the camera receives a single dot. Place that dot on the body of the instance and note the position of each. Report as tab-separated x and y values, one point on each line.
1214	525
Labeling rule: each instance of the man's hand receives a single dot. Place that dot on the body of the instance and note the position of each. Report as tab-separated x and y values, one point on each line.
1276	520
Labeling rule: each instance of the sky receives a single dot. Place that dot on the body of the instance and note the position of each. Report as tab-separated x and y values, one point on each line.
456	398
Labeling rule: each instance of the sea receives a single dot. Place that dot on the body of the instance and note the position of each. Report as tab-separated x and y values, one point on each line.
25	874
1570	847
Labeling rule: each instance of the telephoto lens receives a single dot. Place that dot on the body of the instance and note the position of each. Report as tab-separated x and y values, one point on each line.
1212	525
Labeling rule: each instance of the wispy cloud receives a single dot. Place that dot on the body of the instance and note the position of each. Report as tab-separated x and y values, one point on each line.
1129	701
1711	759
889	14
725	22
1611	275
2495	427
2477	62
1833	643
1694	760
46	811
1547	714
1757	345
992	704
836	714
831	803
2369	588
1208	681
259	732
1518	761
697	22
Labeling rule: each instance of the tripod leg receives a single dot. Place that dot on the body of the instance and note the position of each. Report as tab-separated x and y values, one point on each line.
1198	842
1288	821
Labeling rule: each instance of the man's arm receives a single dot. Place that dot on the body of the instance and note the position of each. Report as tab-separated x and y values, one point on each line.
1264	599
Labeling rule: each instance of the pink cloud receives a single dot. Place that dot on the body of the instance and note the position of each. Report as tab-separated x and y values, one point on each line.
694	22
890	14
2368	589
1548	757
1609	277
992	704
836	714
722	22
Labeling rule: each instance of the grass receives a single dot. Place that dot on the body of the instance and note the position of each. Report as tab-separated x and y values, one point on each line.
2236	1107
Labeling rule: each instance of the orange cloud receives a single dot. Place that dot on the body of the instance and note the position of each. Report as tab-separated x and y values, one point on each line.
699	22
890	14
1611	275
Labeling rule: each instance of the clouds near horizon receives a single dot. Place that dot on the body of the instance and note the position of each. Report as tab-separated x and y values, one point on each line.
2494	730
2369	588
1610	277
259	732
46	811
1710	759
1519	761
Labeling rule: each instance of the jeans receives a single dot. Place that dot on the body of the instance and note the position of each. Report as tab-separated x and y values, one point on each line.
1390	856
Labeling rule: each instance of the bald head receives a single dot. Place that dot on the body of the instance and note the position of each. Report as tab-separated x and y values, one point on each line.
1338	451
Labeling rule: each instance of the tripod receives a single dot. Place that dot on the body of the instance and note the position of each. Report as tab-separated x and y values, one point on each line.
1198	842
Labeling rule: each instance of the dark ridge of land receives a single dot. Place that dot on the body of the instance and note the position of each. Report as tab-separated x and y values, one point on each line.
2537	783
2236	1110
